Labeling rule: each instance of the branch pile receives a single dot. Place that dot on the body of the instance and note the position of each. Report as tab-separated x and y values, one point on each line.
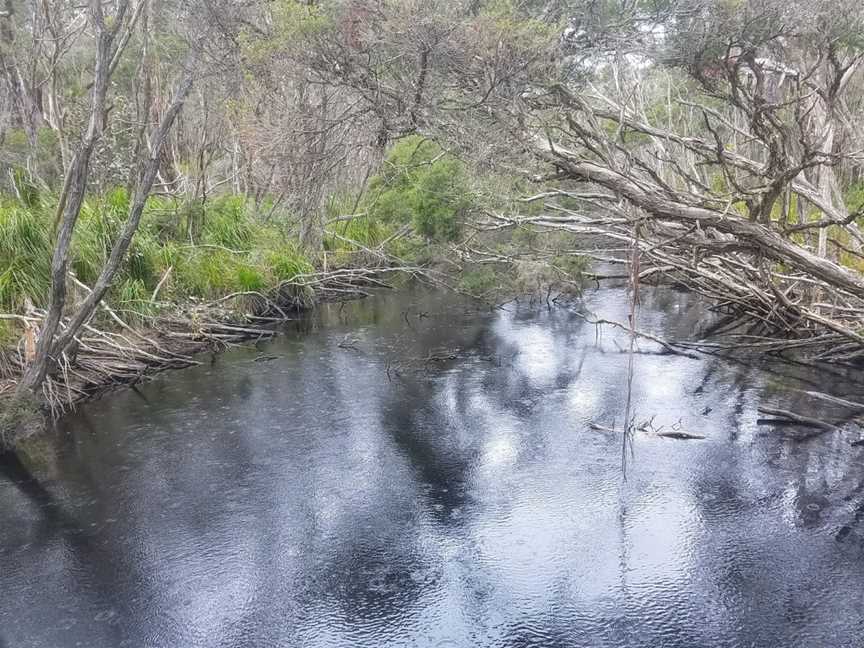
109	352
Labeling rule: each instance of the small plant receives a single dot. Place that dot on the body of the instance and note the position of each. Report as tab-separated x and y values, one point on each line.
250	279
225	223
287	263
25	257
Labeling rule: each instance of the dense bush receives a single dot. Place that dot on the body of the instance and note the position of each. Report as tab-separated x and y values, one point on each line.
421	184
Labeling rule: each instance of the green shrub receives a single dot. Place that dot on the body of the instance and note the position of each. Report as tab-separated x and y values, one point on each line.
250	279
572	266
855	196
288	262
420	184
206	273
481	280
366	231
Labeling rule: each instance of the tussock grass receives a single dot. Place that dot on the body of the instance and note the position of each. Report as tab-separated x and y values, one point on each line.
25	257
233	252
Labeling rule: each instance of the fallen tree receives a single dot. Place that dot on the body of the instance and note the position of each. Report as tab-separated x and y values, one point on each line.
738	198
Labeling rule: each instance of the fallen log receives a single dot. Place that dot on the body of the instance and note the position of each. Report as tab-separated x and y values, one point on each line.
680	435
858	408
785	417
668	346
602	428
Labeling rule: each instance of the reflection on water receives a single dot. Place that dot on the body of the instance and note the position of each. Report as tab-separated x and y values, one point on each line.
439	486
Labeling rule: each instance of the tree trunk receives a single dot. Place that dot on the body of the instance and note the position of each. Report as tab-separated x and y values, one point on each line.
121	245
658	204
72	198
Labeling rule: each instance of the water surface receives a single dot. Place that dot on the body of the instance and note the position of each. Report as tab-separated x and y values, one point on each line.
414	471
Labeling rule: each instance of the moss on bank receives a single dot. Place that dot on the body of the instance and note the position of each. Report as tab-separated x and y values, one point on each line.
20	417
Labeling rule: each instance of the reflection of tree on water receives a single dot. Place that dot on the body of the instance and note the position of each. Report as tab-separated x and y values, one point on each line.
852	532
60	534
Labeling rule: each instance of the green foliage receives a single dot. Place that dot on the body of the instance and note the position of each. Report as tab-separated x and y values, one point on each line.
419	183
25	257
481	280
250	278
295	18
855	196
206	273
226	223
294	22
570	266
44	155
235	253
364	231
133	298
288	262
10	333
26	191
132	290
525	237
520	28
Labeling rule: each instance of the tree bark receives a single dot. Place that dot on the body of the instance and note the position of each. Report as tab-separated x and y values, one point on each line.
73	196
121	245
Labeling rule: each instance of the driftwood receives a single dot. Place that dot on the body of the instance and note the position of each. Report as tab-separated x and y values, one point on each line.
647	426
104	358
858	408
669	347
680	434
774	311
785	417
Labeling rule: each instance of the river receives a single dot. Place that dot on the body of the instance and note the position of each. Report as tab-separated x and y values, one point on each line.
413	470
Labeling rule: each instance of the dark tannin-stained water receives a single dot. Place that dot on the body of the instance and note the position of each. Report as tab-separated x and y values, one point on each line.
411	470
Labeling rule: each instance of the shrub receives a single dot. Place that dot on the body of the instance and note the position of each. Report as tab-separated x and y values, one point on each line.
418	183
481	280
250	279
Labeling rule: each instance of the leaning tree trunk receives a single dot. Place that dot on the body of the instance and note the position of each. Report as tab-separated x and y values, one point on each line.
71	200
121	245
771	244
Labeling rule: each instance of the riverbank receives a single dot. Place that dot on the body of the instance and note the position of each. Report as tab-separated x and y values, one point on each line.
122	355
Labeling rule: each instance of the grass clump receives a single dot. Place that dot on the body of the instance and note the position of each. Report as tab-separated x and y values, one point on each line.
226	223
232	252
25	257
